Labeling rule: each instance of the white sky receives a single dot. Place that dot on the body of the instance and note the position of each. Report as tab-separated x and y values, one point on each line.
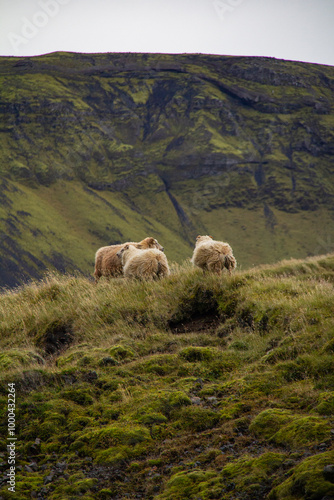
300	30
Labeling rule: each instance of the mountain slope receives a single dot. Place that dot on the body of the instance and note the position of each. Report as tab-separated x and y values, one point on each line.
102	148
195	386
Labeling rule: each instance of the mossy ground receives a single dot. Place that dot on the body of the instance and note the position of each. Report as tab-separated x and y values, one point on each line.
191	387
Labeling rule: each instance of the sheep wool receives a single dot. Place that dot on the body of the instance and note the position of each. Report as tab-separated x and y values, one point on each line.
108	264
213	256
146	264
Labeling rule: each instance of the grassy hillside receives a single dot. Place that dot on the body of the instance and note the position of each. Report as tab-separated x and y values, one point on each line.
101	148
191	387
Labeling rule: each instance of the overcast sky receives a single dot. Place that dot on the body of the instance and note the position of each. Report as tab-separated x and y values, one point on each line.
300	30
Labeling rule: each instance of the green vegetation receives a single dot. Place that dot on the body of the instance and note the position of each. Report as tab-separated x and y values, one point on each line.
99	149
191	387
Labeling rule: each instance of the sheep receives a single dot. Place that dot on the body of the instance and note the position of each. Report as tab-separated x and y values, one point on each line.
146	264
108	264
211	255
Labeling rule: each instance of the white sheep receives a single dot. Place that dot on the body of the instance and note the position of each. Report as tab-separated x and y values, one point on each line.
108	264
145	264
211	255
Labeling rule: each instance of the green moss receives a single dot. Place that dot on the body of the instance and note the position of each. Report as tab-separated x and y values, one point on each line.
326	404
155	462
284	427
120	352
239	345
81	357
210	362
186	485
111	437
158	406
307	366
268	422
15	359
79	423
193	354
62	406
105	493
159	364
79	396
150	417
24	486
177	399
307	480
231	411
250	473
77	485
209	455
281	353
303	431
120	453
48	430
196	418
251	476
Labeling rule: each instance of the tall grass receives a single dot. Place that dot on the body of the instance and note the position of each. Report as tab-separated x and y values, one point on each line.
194	374
290	299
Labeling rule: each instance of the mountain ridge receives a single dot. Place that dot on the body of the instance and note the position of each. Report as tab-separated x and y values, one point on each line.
174	144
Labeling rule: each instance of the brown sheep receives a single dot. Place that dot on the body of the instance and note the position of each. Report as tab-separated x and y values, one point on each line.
108	264
146	264
211	255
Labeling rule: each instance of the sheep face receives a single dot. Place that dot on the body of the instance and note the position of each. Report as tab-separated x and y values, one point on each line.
150	243
122	250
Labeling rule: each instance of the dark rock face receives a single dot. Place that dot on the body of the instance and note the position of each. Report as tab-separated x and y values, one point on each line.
328	473
105	114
